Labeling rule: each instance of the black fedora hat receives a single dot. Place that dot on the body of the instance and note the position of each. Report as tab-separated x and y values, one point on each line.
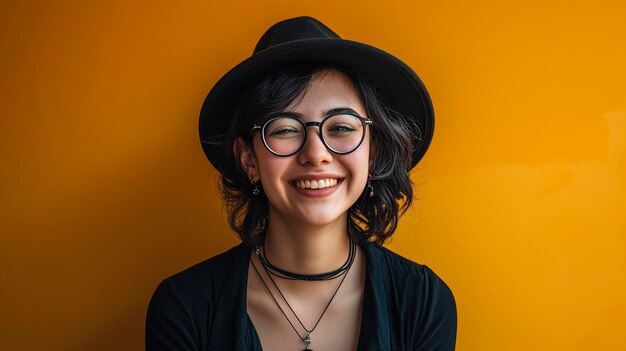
305	39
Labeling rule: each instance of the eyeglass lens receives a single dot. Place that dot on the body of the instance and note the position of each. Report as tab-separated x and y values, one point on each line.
341	133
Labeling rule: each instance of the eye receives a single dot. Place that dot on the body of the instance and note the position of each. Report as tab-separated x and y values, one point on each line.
284	128
283	131
341	129
342	126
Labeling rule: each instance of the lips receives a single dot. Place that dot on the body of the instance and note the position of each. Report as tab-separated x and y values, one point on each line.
316	183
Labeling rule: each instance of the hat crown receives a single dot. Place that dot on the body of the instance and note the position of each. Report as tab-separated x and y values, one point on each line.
299	28
307	40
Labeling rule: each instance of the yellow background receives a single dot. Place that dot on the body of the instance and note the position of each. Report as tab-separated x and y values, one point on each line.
521	197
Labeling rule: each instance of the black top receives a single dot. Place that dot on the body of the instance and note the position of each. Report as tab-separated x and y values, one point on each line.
405	306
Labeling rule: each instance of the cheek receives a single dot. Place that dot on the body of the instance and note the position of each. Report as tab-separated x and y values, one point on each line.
363	171
367	154
271	169
359	166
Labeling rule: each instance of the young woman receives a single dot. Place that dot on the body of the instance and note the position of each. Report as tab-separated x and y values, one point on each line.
314	137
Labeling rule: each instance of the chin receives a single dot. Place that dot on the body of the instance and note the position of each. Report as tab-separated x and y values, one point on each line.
320	217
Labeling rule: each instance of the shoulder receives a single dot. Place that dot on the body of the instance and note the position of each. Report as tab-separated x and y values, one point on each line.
408	276
415	293
212	270
401	268
204	279
182	305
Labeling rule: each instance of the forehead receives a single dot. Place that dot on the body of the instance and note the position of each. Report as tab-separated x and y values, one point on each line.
329	89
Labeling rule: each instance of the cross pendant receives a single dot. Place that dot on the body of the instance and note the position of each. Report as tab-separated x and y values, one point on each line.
307	341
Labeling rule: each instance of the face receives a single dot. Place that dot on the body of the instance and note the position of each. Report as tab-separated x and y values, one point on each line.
290	182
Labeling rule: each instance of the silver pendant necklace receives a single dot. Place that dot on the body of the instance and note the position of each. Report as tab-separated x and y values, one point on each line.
307	339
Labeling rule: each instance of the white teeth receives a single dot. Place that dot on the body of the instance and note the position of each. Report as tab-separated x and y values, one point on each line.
315	184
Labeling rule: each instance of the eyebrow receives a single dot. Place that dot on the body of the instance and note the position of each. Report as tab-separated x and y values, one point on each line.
339	110
331	112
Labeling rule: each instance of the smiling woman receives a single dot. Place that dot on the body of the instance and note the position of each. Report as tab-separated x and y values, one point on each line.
314	137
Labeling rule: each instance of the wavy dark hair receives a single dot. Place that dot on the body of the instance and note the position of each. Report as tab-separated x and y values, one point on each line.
371	219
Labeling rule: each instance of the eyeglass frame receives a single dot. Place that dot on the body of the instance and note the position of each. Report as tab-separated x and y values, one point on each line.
364	121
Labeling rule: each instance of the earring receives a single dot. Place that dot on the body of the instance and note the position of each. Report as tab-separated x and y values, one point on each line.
256	190
369	185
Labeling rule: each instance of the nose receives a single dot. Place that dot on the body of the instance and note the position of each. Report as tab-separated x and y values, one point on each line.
314	152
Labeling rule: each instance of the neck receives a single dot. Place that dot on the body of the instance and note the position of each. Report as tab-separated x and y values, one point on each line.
306	249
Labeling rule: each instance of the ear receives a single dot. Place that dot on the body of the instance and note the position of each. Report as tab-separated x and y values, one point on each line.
246	158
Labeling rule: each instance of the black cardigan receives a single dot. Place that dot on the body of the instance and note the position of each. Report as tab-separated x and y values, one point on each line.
405	306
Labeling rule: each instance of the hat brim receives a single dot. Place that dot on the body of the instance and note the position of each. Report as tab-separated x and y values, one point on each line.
392	78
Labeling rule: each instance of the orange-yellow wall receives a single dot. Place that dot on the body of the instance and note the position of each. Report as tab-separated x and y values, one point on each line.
105	190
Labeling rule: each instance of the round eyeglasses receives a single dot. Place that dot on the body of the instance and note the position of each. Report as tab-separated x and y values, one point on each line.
284	134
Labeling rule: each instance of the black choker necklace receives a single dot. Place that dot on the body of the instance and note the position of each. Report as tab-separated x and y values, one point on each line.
281	273
307	339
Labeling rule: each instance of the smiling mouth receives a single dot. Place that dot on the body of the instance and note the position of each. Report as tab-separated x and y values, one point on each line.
316	184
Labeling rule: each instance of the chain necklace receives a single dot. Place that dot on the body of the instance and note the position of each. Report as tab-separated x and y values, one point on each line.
307	339
281	273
